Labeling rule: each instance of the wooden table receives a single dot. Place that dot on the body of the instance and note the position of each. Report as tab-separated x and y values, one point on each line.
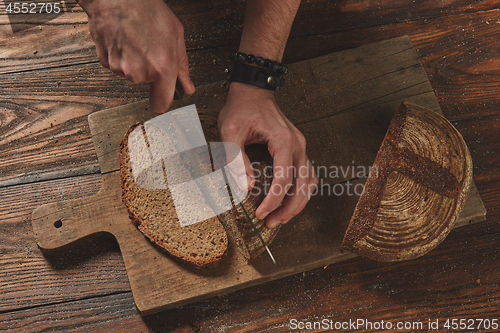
50	81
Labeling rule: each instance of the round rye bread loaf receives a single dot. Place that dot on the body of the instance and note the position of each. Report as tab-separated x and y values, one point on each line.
415	191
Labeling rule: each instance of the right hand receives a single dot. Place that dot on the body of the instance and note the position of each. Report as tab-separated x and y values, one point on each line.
251	115
142	41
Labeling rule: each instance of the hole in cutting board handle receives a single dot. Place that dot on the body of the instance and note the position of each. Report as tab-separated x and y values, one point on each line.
58	224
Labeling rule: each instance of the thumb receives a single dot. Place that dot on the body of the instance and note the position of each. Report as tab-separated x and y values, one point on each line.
239	166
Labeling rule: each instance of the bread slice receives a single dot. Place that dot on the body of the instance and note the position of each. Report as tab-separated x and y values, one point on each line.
236	220
154	213
151	206
416	188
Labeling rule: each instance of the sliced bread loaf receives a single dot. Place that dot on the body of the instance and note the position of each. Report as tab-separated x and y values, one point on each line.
153	211
236	220
150	203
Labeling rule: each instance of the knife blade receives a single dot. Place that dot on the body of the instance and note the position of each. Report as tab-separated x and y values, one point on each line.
240	203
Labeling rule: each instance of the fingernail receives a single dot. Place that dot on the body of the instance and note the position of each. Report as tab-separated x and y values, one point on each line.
262	216
244	182
274	224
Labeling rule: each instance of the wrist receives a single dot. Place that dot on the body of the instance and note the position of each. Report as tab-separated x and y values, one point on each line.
85	4
273	67
274	54
264	78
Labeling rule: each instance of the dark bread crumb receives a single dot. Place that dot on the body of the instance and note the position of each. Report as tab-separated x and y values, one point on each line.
152	211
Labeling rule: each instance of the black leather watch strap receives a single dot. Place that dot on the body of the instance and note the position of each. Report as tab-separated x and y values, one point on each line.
255	76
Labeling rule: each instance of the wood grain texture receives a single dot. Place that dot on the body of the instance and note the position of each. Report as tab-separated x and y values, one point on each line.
353	289
450	56
48	131
315	236
481	133
345	289
28	278
454	49
458	279
210	24
28	50
111	313
376	292
165	284
101	262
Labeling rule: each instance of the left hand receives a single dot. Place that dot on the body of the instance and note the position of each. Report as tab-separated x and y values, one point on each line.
142	41
251	115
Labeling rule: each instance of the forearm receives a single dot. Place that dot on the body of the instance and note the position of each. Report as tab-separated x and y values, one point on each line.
86	4
267	26
251	115
112	9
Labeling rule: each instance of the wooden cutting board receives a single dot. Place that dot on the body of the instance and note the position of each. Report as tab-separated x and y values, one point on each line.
343	104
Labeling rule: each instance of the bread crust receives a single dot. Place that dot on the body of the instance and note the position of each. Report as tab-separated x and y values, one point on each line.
418	185
163	227
234	222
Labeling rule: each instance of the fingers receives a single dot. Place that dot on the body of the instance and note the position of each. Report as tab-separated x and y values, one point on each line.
297	198
187	84
133	71
161	75
283	174
161	94
240	167
161	91
238	161
102	54
252	116
294	182
183	67
100	46
145	44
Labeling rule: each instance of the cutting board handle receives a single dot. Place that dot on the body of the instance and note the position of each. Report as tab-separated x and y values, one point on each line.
57	225
62	223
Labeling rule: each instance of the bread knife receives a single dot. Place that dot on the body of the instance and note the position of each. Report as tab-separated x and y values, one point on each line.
179	92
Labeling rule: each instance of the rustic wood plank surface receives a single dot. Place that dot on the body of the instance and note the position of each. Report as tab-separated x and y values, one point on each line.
458	44
440	53
314	238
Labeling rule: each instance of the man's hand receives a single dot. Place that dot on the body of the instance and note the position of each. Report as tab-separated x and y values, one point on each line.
142	41
251	115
